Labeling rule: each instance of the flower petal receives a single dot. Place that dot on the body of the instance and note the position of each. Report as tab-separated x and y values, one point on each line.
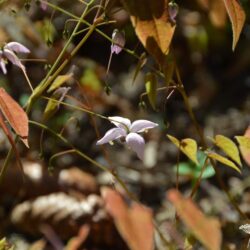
16	47
2	66
44	5
111	135
120	122
118	43
136	143
142	125
13	58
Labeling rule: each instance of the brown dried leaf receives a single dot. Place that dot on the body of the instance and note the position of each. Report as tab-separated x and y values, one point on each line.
237	17
152	25
217	13
15	115
207	230
133	223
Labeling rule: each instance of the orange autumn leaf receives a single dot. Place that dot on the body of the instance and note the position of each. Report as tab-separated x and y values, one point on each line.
135	223
15	115
152	25
207	230
237	17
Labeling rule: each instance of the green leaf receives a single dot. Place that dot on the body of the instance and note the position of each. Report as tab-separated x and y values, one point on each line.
187	146
53	105
223	160
91	80
237	17
191	169
59	81
48	31
228	147
244	142
151	89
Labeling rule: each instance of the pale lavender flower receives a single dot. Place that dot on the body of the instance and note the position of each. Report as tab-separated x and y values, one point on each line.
7	53
124	129
173	10
118	43
44	5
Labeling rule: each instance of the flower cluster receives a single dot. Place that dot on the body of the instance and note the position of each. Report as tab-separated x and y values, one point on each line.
125	129
7	53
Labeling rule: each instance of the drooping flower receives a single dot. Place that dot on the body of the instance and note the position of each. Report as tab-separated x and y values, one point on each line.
8	53
130	131
118	43
44	5
173	10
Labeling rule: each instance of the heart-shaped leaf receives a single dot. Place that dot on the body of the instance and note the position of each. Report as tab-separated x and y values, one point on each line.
223	160
244	142
152	24
228	147
187	146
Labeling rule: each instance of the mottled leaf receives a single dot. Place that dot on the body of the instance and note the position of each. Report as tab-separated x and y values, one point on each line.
237	17
228	147
15	115
151	88
207	230
134	223
152	25
187	146
223	160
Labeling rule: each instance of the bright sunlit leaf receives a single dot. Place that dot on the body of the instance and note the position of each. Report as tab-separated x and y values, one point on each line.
228	147
207	230
237	17
223	160
187	146
244	142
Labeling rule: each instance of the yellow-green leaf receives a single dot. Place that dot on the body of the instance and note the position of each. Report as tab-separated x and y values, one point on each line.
237	17
59	81
152	25
174	140
187	146
228	147
244	142
151	88
223	160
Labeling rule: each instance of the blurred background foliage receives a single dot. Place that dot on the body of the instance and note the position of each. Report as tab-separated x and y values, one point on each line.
217	81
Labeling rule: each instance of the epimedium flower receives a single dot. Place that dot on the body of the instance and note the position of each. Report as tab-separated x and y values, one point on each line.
129	131
8	53
119	41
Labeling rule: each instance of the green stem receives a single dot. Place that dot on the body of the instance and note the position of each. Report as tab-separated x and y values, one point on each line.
204	143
